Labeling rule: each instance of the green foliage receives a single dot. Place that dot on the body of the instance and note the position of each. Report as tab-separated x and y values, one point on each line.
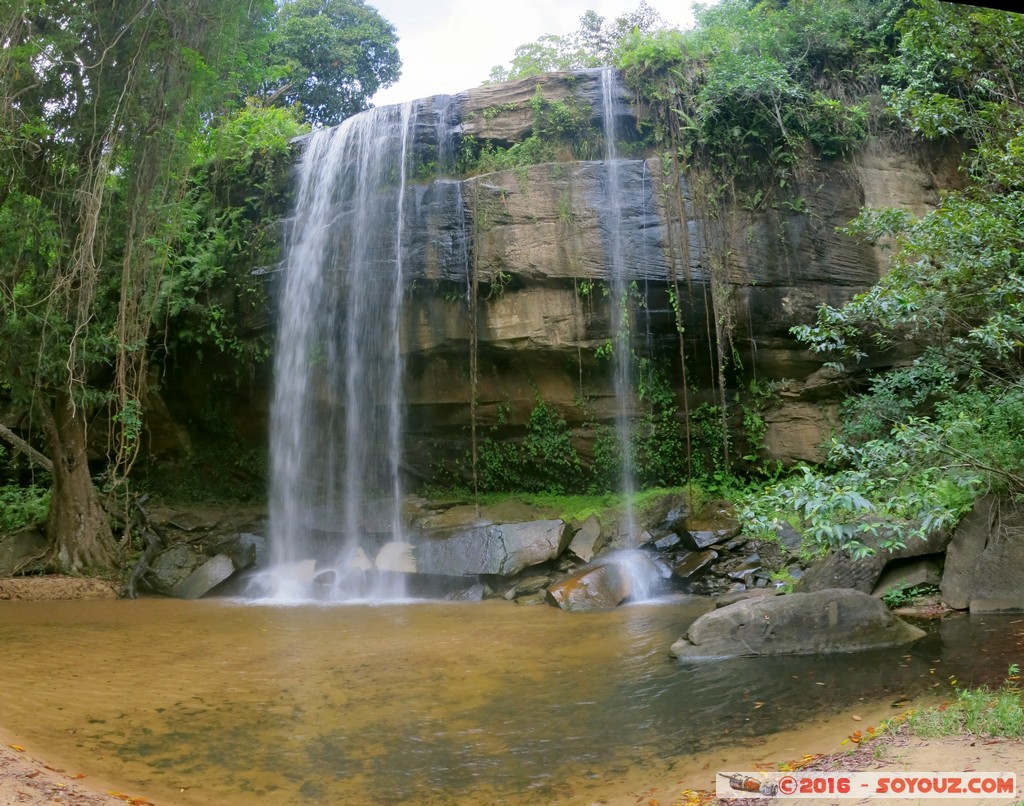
707	440
591	45
562	130
906	594
957	69
889	489
658	442
22	506
981	712
955	276
544	461
216	471
213	298
331	57
753	89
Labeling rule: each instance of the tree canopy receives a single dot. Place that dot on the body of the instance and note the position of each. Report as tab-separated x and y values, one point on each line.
331	57
591	45
123	140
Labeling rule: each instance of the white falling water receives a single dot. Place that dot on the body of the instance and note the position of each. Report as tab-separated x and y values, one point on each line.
336	421
619	281
612	221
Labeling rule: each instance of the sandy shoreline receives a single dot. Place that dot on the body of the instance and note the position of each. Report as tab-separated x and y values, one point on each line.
26	779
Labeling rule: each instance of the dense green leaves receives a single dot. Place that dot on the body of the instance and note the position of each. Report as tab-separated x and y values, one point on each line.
929	435
593	44
334	55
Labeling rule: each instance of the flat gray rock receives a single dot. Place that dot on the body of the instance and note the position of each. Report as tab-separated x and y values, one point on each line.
205	578
503	549
822	622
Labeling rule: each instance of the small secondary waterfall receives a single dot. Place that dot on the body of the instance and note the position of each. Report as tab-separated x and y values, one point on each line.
336	422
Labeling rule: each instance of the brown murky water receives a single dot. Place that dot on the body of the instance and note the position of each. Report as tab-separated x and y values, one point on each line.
221	702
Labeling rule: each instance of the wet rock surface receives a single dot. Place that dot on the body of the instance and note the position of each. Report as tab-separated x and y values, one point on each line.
503	549
600	587
826	621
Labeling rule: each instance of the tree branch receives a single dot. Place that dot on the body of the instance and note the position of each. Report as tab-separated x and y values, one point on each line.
34	456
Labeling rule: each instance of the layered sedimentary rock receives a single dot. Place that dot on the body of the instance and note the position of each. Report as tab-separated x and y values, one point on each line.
517	261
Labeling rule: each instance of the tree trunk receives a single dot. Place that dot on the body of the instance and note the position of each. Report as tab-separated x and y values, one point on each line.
77	527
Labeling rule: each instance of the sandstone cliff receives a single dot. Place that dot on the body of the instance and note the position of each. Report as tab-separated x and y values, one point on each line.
519	257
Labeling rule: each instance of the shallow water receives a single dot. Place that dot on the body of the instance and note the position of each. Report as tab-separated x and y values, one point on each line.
224	702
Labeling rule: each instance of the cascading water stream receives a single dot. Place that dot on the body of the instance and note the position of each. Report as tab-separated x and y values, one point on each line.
619	282
336	421
618	270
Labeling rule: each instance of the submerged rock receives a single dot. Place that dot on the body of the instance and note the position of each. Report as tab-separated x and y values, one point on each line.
825	621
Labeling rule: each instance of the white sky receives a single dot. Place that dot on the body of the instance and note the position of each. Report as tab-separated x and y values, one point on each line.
448	46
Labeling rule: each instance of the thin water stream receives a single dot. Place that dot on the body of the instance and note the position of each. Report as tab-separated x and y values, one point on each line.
220	702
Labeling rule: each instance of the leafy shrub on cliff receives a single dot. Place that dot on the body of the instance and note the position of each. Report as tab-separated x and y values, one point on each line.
211	297
543	461
927	437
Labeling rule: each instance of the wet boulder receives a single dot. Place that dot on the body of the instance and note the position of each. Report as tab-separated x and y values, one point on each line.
205	578
245	550
606	585
598	587
714	524
691	564
173	566
586	542
826	621
500	549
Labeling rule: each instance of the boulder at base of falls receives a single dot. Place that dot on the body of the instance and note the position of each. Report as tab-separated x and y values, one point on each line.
826	621
502	549
173	566
205	578
604	586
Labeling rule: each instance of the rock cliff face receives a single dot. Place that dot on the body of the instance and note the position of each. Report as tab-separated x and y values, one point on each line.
535	240
519	258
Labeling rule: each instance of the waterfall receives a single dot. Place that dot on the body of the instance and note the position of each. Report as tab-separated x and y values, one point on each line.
620	292
620	282
336	419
